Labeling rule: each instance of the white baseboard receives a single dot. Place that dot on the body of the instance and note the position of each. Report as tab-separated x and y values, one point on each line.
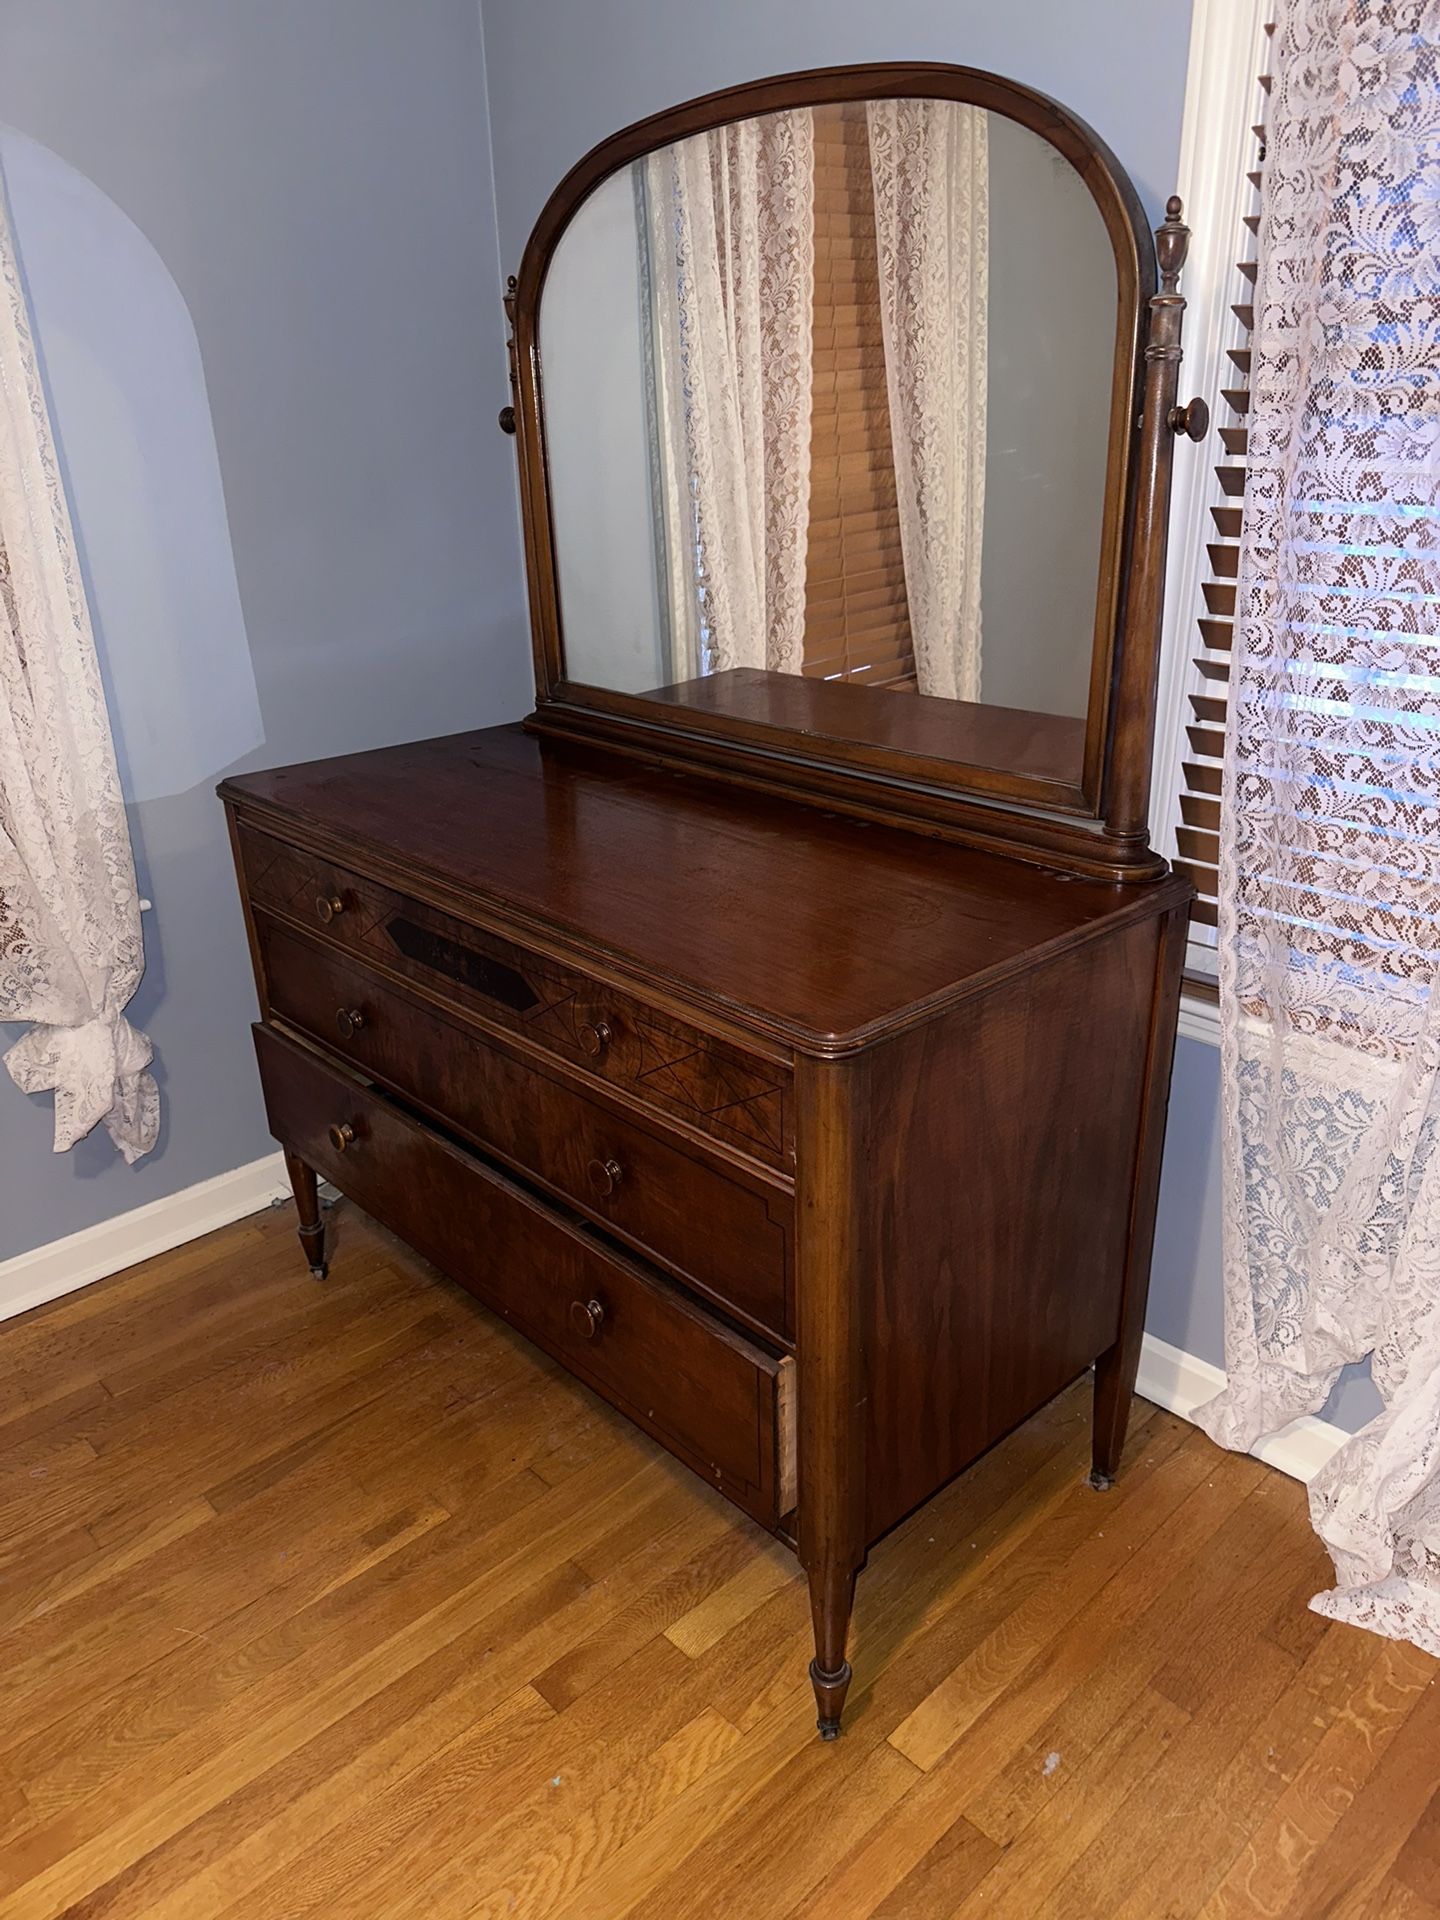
30	1279
1180	1382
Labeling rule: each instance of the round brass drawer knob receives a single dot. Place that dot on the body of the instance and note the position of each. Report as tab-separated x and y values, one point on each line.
328	905
348	1021
595	1039
587	1317
604	1176
342	1135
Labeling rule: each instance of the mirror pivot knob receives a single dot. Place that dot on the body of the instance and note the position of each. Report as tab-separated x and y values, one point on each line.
1193	419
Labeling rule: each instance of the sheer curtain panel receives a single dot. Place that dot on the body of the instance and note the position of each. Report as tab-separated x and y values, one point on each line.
71	951
1329	917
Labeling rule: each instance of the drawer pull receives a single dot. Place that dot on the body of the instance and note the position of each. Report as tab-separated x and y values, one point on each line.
594	1039
342	1135
604	1176
587	1317
328	905
349	1021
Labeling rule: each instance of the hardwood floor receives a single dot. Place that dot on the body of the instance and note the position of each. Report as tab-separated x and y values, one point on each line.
336	1599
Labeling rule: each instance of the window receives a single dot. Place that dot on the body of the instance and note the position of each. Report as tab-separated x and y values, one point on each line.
1197	835
1222	147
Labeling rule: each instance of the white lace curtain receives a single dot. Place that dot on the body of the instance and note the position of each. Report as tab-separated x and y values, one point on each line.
731	259
70	942
1330	852
929	165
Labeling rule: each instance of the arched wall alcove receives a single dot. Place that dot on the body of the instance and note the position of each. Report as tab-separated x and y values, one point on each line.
132	422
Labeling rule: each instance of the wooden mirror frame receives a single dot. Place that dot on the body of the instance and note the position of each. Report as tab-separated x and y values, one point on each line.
1099	826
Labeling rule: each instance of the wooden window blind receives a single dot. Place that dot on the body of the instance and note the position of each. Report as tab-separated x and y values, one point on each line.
1198	835
857	622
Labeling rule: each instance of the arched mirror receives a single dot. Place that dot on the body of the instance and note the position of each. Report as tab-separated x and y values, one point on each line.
831	408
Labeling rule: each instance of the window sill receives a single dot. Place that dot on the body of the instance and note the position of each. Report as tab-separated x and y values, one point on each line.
1199	1013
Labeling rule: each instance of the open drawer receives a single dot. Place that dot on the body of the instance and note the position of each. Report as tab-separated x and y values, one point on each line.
715	1399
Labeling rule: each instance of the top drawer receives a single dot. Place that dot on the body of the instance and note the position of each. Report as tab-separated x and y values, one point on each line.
730	1095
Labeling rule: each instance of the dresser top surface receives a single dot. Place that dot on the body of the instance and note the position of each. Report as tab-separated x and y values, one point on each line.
820	927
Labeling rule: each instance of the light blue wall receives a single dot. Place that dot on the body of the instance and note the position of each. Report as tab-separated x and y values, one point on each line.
311	184
564	73
1185	1274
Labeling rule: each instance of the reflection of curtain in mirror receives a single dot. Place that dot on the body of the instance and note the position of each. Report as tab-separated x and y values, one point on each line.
730	246
929	166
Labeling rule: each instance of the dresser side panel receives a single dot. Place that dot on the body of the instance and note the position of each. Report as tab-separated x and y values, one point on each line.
1003	1140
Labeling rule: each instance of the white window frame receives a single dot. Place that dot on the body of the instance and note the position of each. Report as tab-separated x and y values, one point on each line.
1223	101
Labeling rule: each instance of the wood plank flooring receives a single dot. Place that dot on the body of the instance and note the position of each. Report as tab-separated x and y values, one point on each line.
339	1600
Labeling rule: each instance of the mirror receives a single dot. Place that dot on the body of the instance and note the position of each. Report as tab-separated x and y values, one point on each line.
827	408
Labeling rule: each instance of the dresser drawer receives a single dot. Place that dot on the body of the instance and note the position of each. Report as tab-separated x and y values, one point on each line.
736	1097
724	1232
715	1399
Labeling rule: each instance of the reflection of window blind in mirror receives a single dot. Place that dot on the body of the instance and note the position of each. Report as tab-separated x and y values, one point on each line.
857	623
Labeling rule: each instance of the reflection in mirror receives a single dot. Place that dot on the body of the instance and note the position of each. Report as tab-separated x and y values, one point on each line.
846	373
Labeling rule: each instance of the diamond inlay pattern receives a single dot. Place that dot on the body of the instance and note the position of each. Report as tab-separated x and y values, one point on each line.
708	1087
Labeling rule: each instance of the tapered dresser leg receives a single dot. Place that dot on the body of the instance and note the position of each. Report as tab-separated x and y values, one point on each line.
1116	1369
832	1593
306	1189
1114	1392
832	1182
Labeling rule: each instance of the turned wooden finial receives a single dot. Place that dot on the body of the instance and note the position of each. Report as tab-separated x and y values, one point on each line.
1172	243
508	422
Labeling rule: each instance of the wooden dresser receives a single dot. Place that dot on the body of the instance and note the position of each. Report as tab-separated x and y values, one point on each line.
825	1152
777	1039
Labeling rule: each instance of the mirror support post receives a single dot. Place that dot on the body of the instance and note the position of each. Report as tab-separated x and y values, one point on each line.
1128	810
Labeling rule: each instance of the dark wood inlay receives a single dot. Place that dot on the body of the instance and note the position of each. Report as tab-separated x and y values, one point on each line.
477	971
